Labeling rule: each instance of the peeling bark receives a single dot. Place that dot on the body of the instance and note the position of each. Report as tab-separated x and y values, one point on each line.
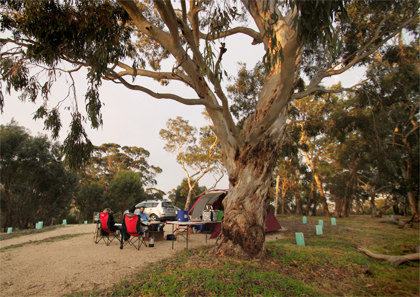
246	206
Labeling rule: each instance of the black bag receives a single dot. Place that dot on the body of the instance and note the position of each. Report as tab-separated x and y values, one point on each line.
153	227
170	237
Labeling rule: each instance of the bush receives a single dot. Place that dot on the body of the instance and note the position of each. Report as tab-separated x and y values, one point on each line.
71	219
389	211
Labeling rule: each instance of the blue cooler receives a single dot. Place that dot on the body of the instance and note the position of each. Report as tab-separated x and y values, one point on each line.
182	215
200	228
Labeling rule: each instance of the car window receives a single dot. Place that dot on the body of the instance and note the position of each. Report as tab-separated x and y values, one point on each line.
154	204
167	204
149	204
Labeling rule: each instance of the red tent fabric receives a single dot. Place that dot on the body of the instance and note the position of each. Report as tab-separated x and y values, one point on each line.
271	224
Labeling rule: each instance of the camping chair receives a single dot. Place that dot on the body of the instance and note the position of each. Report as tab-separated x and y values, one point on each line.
103	232
132	226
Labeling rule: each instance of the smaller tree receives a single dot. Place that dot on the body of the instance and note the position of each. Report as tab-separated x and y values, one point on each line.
179	195
201	159
125	190
110	158
89	199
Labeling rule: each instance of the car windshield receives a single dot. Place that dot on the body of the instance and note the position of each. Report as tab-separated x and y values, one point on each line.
167	204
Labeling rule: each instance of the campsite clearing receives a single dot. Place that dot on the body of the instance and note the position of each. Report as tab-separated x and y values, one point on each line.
59	261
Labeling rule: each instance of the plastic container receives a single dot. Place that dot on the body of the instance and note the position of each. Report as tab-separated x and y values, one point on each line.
206	215
200	228
214	215
219	215
182	215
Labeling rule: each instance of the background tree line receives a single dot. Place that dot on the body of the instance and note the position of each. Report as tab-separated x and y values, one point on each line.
37	185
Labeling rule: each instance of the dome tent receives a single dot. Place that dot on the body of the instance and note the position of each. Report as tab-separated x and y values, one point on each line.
213	199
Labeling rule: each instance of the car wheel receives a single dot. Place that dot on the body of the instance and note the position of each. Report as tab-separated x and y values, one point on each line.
153	217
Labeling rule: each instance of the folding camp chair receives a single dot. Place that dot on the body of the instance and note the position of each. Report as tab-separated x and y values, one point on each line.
132	226
103	232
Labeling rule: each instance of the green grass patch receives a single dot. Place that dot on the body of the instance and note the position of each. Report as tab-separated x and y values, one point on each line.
19	233
185	276
329	265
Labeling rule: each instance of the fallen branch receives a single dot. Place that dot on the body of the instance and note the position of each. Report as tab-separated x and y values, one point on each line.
389	220
394	260
409	221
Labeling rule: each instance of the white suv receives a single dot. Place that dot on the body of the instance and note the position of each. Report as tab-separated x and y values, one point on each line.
158	210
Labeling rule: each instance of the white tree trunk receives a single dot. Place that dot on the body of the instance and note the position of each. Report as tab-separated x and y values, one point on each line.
246	206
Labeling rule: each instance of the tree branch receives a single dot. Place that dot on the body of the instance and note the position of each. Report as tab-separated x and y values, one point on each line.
168	16
324	90
195	23
359	56
152	74
226	113
243	30
112	76
144	25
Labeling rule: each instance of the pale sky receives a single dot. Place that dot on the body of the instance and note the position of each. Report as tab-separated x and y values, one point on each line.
132	118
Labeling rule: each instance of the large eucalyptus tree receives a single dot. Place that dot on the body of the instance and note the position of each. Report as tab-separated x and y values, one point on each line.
127	39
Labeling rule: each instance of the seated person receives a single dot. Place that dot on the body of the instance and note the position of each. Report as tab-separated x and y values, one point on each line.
143	217
129	212
111	222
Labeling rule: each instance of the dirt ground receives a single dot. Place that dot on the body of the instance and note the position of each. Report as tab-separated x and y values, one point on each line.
43	266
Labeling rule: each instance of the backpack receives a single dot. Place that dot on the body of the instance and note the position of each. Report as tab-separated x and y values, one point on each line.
170	237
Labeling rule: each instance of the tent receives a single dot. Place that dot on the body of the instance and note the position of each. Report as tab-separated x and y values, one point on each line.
213	198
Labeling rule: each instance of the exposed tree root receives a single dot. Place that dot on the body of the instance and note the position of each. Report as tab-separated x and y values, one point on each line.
394	260
413	218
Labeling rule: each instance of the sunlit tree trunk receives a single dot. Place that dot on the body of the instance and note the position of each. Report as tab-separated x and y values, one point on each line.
347	205
339	203
314	209
372	205
318	183
283	196
406	172
310	200
299	208
276	203
359	208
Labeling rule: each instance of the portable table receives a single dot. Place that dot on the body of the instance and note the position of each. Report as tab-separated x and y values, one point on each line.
184	225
